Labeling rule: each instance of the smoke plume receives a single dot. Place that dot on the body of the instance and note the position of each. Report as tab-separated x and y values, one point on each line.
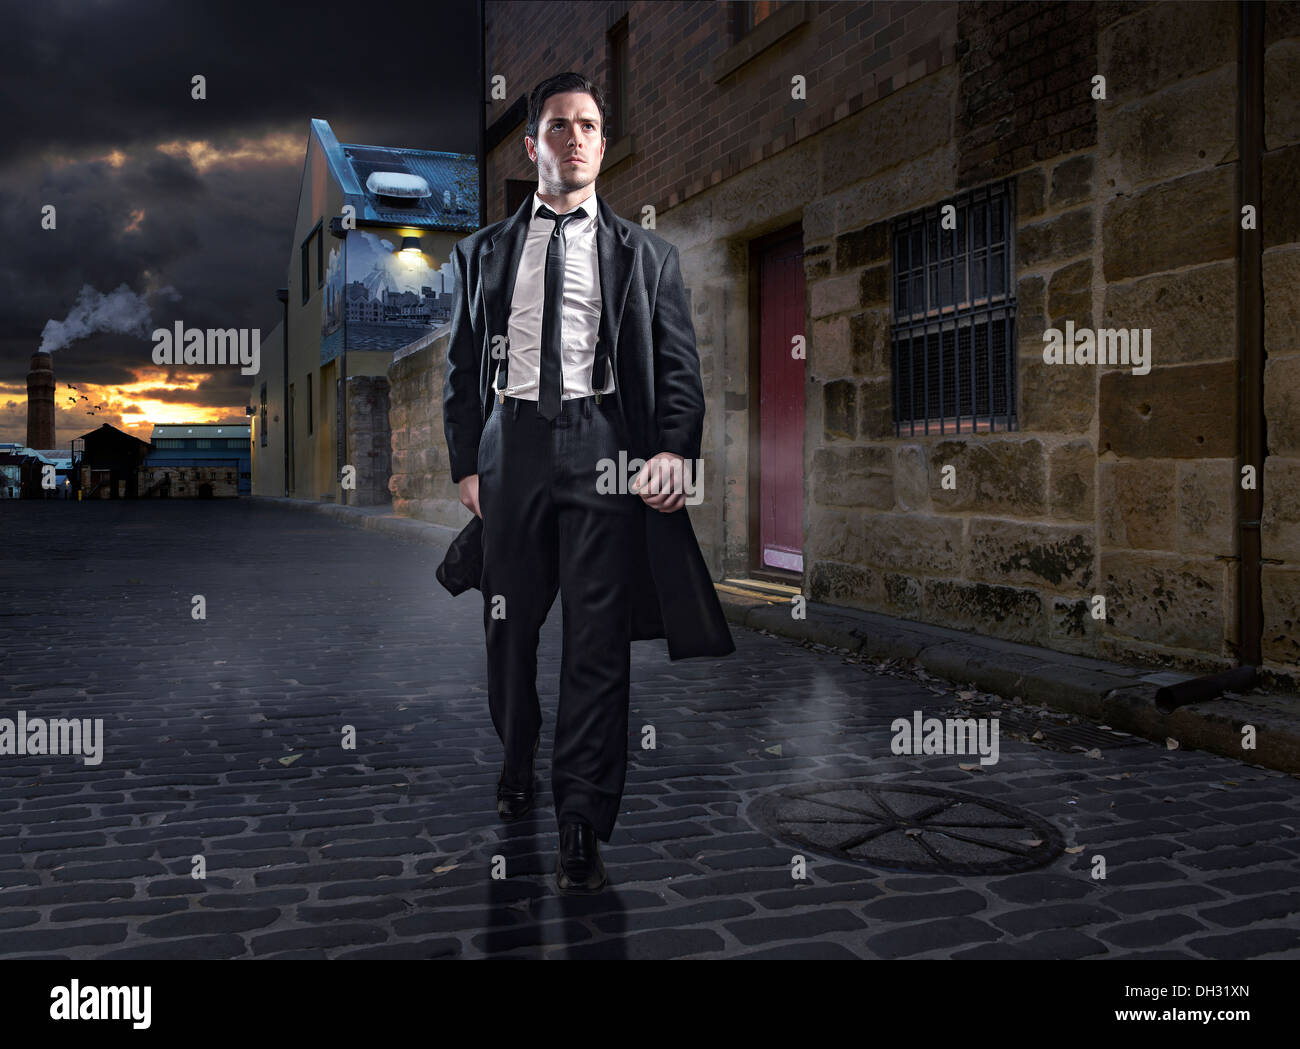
121	311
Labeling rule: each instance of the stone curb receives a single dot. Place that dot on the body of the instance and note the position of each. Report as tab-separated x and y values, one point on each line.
1111	693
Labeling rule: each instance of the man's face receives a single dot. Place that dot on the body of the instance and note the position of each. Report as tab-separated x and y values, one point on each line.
569	127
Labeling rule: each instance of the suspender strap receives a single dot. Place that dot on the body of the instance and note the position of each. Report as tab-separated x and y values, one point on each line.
499	380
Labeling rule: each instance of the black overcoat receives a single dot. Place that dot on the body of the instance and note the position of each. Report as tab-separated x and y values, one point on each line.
646	329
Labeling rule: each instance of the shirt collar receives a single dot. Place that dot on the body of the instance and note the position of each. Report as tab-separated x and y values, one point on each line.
587	205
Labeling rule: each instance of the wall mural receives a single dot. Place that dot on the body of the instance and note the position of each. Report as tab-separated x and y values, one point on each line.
392	297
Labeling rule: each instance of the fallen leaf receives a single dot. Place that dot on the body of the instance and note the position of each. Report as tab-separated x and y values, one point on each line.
1031	842
1038	734
1232	783
914	832
1171	743
1074	850
444	870
774	750
1094	753
969	768
965	695
290	759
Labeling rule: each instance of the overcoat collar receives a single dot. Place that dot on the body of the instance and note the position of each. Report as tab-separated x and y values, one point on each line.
499	265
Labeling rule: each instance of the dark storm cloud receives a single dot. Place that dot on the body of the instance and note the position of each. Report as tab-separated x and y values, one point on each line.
92	90
80	74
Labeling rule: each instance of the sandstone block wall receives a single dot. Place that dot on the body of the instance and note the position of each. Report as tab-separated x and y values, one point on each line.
1115	484
369	439
420	483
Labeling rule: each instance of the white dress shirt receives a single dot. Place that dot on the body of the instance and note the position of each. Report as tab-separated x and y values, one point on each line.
579	317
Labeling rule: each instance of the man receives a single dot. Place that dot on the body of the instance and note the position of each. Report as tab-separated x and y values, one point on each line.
571	342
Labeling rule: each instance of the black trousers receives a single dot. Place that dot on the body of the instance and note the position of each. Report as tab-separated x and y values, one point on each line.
546	525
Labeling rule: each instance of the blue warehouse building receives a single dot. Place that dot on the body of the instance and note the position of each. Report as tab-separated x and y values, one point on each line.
182	446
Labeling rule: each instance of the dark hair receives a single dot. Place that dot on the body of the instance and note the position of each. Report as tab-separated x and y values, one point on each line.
558	85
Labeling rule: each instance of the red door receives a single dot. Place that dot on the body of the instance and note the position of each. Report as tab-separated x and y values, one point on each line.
781	405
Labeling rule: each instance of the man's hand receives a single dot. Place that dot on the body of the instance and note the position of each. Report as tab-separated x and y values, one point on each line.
661	483
469	493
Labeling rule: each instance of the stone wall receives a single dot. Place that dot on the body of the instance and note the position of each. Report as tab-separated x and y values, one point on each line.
369	440
1280	229
421	484
1168	441
186	481
1115	484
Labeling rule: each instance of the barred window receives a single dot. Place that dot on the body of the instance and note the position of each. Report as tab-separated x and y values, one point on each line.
954	330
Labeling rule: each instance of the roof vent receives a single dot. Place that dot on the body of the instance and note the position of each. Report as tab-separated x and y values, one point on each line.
397	184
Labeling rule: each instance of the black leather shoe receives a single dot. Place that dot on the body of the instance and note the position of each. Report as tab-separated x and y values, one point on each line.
579	870
515	802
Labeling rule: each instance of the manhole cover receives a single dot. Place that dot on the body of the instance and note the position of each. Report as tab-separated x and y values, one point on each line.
905	828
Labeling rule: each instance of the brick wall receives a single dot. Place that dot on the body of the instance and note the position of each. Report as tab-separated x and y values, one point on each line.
691	129
1021	70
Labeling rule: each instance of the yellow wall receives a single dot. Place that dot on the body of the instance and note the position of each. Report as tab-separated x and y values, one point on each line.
267	462
315	466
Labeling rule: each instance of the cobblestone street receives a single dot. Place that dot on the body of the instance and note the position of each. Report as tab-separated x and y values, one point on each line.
222	739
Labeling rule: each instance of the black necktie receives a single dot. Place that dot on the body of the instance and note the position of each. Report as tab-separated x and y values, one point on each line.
550	374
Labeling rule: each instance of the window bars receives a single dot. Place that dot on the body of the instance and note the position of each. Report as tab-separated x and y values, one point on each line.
954	315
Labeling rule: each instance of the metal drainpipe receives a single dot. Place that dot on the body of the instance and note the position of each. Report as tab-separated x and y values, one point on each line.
343	393
1250	378
283	295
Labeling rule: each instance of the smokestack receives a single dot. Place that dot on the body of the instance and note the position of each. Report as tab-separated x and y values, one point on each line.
40	402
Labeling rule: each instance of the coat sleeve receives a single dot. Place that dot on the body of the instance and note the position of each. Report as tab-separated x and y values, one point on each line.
462	413
679	394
